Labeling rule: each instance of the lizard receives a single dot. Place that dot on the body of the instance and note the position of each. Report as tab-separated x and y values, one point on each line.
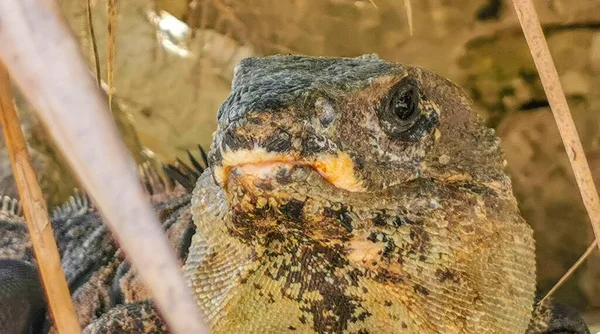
342	195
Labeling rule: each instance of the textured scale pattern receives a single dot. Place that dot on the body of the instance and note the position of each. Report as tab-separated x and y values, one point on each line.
243	290
432	241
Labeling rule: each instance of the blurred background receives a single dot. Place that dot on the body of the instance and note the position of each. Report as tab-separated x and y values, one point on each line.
175	61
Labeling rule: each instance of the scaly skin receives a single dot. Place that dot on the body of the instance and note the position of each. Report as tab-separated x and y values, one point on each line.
420	235
99	278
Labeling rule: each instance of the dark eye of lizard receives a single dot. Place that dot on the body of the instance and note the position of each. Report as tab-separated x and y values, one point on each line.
404	104
400	111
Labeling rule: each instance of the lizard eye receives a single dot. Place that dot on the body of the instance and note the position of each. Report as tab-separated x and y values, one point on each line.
404	104
401	114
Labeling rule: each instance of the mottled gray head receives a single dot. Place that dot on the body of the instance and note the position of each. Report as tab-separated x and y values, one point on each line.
362	123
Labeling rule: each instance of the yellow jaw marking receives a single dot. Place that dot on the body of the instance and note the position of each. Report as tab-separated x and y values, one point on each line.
337	169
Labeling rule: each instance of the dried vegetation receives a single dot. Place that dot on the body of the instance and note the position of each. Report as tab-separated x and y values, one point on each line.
170	78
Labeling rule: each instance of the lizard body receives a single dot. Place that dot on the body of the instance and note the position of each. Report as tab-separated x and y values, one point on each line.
357	195
342	196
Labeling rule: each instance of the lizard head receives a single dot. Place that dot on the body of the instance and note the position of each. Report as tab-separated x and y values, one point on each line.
362	124
352	126
337	177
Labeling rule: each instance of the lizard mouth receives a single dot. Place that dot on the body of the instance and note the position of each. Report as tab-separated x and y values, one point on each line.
336	169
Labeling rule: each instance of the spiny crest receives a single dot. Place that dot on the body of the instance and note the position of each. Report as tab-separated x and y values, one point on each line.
154	183
185	175
180	173
165	182
10	207
78	204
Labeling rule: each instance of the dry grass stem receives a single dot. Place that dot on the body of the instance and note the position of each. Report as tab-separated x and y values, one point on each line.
571	270
192	16
560	109
36	214
75	114
409	15
94	45
230	16
536	41
199	62
111	45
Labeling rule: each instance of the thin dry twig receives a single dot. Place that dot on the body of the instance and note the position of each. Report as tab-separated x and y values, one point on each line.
76	116
409	15
191	18
542	58
111	45
230	16
571	270
199	66
36	214
560	109
94	45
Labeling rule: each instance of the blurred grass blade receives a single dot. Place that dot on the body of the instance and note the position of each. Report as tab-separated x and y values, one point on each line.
44	59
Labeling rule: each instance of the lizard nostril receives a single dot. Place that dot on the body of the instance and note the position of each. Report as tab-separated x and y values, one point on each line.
280	141
325	111
233	140
314	144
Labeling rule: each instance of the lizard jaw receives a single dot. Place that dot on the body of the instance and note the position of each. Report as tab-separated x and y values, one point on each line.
336	169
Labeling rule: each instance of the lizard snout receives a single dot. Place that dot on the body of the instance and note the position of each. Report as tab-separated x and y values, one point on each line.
265	139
